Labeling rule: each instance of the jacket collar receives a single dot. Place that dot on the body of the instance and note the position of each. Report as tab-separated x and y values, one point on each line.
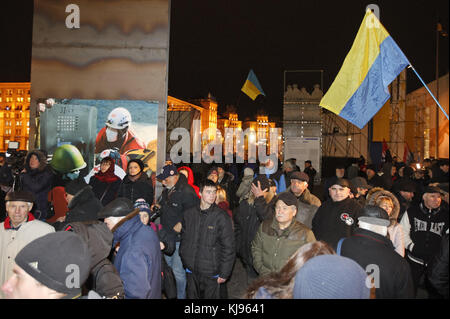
7	223
359	232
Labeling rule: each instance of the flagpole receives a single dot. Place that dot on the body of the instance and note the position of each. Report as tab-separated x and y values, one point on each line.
445	113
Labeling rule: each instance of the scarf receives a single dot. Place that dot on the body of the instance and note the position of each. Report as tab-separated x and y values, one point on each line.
108	176
8	225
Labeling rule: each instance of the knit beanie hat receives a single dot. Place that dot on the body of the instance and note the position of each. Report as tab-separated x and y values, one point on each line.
75	186
331	277
248	172
141	204
60	261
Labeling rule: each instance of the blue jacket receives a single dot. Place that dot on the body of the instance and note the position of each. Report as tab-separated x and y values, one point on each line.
138	260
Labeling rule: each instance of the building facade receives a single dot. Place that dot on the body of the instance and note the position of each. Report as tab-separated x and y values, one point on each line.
14	114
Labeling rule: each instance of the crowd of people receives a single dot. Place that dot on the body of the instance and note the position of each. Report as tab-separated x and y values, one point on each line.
366	232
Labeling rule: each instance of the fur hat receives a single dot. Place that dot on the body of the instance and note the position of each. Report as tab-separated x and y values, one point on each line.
331	277
376	193
20	196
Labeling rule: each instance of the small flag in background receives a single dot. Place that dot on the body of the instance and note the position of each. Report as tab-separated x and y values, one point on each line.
407	155
252	87
361	87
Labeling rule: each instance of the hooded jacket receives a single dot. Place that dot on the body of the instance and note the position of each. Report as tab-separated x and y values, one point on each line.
243	191
395	230
190	179
104	278
207	242
141	188
138	260
272	247
39	182
84	206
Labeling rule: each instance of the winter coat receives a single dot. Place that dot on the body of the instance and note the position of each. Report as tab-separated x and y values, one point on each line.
370	249
305	213
423	231
272	247
12	241
84	206
334	220
104	191
174	203
207	242
247	219
227	183
141	188
438	270
138	260
395	230
103	278
190	179
37	181
244	189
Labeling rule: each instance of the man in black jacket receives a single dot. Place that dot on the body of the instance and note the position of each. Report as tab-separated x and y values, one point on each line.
374	252
177	197
336	217
424	225
207	246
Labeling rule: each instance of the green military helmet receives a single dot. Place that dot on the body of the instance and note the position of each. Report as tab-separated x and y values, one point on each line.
67	158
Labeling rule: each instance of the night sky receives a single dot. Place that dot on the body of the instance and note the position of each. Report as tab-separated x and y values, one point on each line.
214	44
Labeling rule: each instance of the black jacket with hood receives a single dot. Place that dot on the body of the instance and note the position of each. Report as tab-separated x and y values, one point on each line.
39	182
103	278
141	188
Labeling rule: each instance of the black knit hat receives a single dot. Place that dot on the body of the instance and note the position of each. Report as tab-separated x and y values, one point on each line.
262	179
75	186
59	261
374	215
20	196
288	198
119	207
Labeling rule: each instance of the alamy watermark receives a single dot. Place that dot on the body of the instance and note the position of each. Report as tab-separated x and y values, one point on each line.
73	19
233	144
73	279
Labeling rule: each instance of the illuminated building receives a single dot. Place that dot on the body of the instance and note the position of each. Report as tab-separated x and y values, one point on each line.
14	114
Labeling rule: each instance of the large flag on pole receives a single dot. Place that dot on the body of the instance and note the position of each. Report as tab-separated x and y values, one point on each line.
361	87
252	87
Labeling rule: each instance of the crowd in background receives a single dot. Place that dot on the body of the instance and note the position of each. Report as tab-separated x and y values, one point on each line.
365	232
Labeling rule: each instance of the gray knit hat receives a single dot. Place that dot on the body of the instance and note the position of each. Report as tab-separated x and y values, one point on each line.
60	261
331	277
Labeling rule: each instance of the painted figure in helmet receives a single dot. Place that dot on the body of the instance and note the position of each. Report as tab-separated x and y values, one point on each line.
117	133
68	161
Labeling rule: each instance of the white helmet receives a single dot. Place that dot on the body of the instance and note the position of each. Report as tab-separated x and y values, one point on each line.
119	118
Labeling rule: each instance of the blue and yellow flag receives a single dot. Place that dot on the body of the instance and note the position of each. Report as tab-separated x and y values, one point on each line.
361	87
252	87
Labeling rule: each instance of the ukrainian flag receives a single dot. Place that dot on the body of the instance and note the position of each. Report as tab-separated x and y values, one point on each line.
361	87
252	87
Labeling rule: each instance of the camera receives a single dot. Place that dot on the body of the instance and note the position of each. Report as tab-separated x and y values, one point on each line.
15	158
156	212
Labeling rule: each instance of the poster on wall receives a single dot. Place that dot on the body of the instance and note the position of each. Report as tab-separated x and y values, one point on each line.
120	129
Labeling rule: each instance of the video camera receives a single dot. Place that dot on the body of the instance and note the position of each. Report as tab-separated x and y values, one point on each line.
15	158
